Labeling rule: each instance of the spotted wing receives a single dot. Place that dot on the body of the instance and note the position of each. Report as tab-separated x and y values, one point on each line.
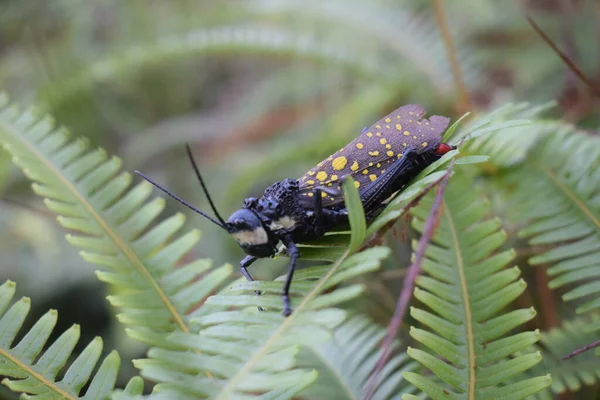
378	148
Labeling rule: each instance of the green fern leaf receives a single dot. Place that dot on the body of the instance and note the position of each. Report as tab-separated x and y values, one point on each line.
512	144
32	370
111	222
558	191
346	362
466	285
573	374
376	50
133	390
257	349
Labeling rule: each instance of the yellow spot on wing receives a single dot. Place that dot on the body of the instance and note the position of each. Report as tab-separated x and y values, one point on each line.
356	184
378	133
382	141
388	146
369	134
354	166
322	175
378	165
370	164
310	194
378	126
388	127
399	127
372	177
399	155
339	163
406	133
311	172
390	153
374	153
365	171
359	145
334	177
311	182
388	120
323	194
424	144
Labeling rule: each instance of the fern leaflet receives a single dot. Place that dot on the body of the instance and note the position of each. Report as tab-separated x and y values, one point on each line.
33	370
558	192
112	223
346	362
466	286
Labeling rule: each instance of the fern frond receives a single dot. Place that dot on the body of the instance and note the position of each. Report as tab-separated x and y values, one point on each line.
466	285
257	349
238	39
260	357
402	38
112	223
346	362
513	144
572	374
32	365
557	190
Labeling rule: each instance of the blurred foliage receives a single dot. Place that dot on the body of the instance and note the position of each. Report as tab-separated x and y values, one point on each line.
264	89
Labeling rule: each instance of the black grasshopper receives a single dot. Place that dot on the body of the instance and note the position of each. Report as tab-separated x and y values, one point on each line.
381	160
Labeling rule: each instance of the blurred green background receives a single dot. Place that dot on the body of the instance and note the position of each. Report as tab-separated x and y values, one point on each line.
262	90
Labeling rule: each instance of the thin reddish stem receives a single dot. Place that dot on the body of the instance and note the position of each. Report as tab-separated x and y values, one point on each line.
582	350
570	63
409	284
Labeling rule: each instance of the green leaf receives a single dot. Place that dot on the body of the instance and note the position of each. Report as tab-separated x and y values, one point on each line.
574	374
346	362
356	214
450	131
244	350
557	192
472	159
112	222
466	287
512	132
31	366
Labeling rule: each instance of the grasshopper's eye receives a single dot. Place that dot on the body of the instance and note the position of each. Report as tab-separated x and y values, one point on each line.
244	220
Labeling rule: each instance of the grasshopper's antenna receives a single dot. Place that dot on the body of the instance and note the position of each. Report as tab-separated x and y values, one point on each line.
185	203
212	205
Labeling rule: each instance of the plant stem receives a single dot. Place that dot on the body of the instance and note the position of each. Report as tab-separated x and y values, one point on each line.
464	102
409	283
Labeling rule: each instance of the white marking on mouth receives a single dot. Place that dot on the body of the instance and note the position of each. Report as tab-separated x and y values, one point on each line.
249	238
